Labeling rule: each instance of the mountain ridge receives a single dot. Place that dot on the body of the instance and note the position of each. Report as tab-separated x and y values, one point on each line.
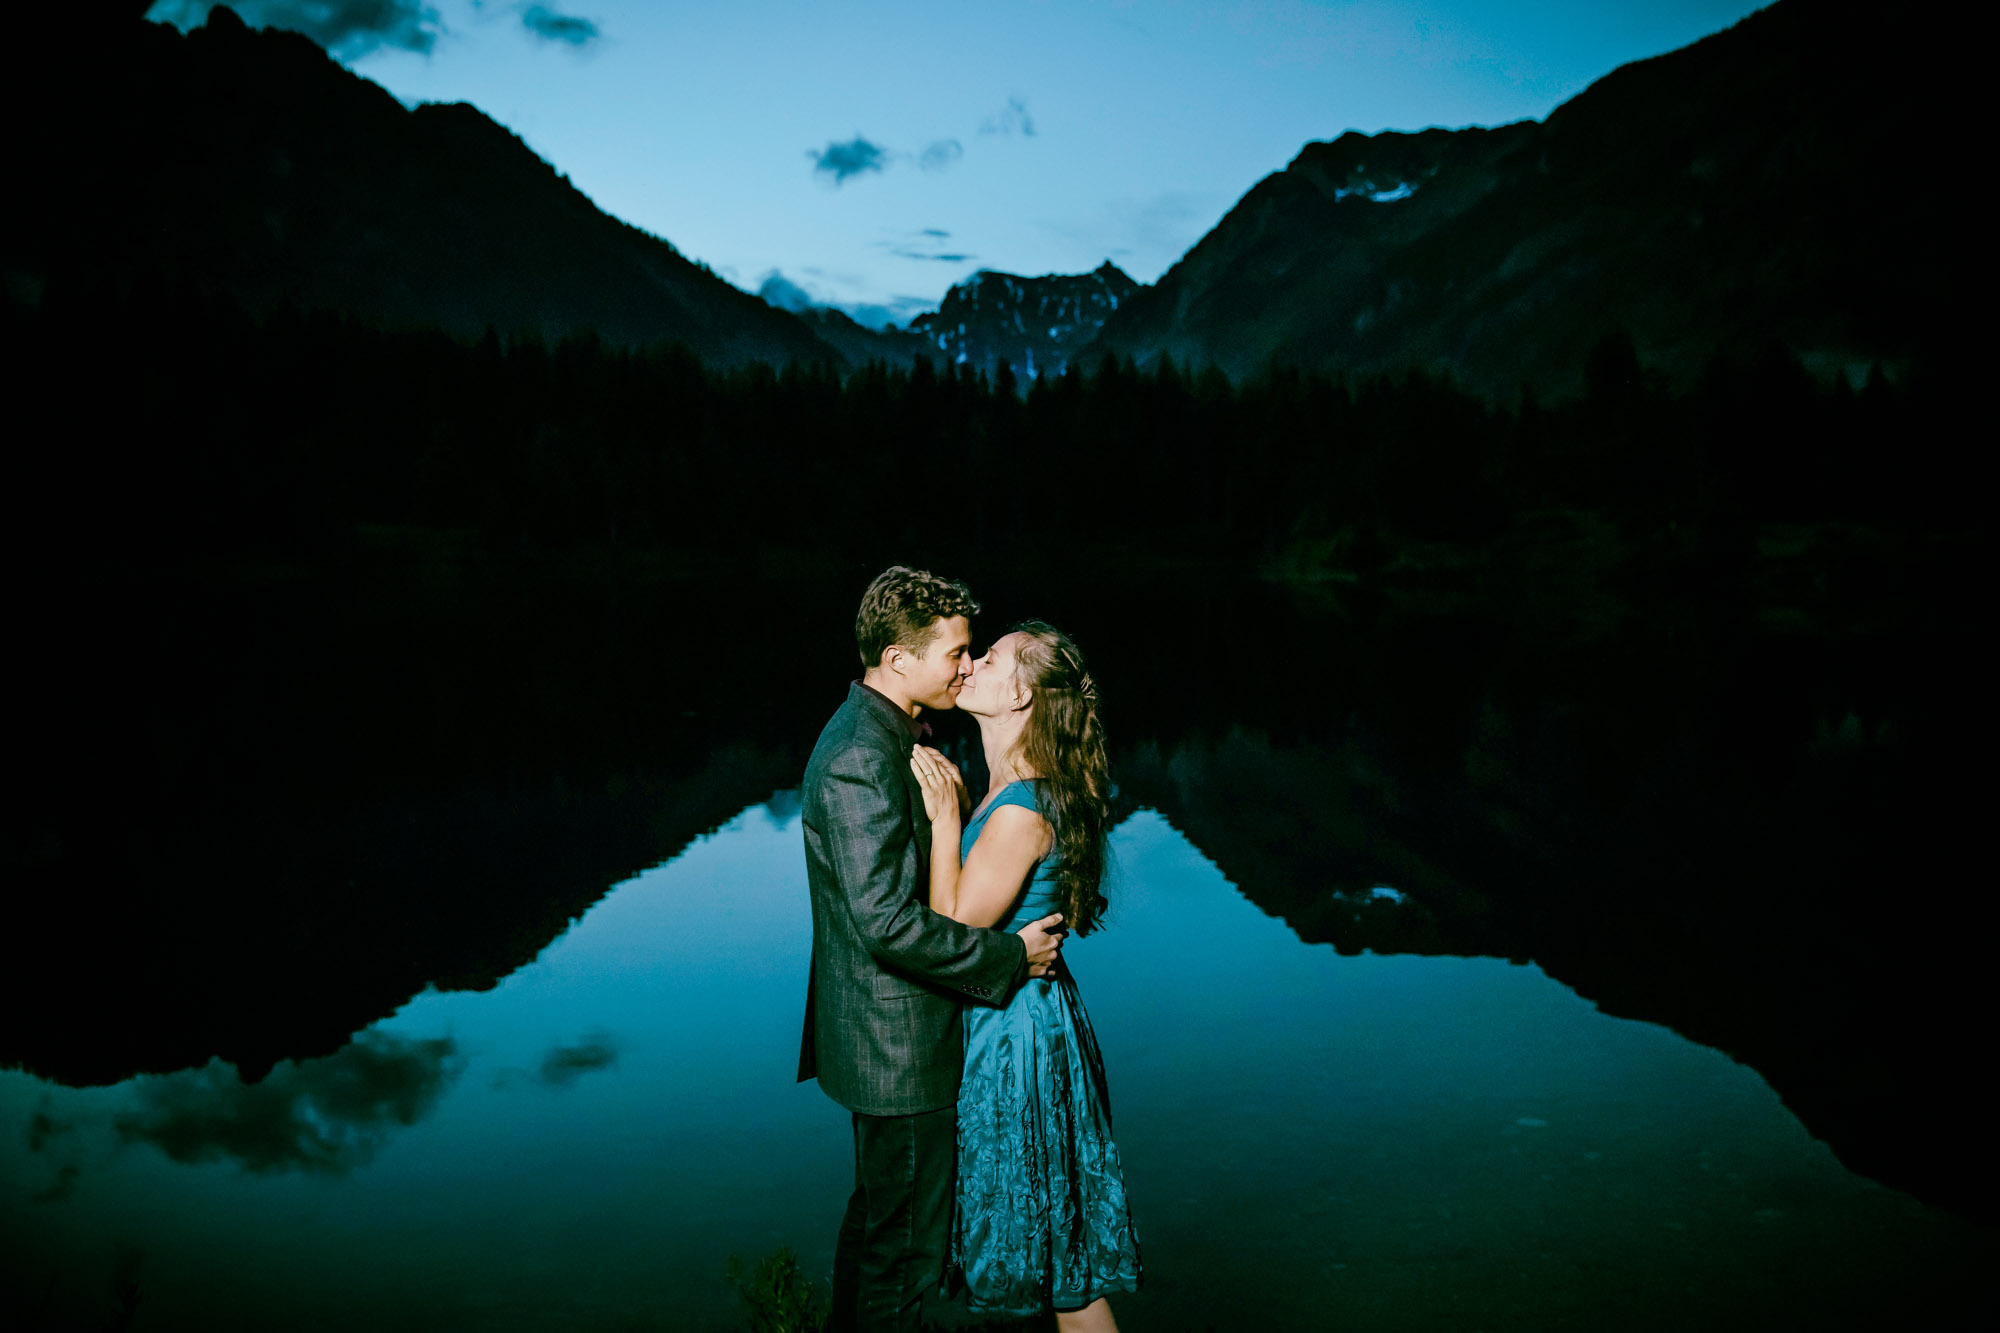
253	164
1701	202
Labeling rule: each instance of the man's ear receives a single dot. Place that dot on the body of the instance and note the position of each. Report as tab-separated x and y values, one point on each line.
892	658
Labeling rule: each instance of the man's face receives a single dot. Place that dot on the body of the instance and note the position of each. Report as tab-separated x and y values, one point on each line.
935	678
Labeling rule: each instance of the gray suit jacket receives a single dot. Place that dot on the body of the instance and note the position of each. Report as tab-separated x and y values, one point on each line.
882	1030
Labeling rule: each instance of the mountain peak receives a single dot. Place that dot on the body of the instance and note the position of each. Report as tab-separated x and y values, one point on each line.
223	21
251	162
1702	203
1036	325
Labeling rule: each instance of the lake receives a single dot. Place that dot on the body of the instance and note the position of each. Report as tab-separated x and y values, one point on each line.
418	935
1314	1138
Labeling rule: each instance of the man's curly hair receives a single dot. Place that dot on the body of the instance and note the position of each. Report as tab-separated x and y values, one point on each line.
902	607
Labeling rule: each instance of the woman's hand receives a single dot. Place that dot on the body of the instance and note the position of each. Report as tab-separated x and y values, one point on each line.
943	786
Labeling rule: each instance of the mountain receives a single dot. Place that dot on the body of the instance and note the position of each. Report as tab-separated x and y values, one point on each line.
1037	325
1789	181
862	344
858	343
251	164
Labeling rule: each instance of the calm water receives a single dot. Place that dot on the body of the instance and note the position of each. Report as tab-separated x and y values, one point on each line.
1313	1141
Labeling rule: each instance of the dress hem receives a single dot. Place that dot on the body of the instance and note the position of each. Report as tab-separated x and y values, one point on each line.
1028	1312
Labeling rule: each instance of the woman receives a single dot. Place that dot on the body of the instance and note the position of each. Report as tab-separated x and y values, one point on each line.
1041	1220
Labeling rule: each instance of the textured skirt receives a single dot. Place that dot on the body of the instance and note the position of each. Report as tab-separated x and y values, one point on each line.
1041	1220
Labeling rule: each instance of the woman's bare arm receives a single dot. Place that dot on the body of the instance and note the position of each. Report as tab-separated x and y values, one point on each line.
945	835
1014	838
944	802
980	891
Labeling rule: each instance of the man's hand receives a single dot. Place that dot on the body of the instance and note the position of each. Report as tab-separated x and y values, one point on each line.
1044	939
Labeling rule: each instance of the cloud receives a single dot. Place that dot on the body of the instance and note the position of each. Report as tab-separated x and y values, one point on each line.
551	26
941	155
61	1187
1014	120
329	1115
347	28
895	315
845	160
782	292
564	1065
784	806
925	243
44	1128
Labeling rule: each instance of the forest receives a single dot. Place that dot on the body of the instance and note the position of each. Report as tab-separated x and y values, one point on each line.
173	427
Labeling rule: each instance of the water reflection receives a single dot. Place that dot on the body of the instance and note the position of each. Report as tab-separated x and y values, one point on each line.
1680	812
1313	1138
328	1115
256	927
1311	832
564	1065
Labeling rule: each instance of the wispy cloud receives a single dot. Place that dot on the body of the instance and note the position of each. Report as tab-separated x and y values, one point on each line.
347	28
564	1065
941	155
552	26
925	243
1014	119
844	161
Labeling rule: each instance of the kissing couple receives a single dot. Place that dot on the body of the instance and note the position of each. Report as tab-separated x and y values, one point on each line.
939	1010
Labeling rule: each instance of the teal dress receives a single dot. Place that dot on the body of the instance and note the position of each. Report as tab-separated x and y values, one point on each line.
1041	1219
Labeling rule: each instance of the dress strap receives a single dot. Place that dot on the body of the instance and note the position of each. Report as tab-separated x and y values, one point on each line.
1020	791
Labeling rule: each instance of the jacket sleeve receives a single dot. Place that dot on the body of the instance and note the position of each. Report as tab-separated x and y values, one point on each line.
868	836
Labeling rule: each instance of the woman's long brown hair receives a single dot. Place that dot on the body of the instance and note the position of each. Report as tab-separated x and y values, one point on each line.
1063	744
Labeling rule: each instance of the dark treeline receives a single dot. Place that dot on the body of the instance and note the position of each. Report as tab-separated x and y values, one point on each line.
169	428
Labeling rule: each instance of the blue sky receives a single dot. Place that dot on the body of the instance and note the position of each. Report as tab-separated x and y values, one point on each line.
874	154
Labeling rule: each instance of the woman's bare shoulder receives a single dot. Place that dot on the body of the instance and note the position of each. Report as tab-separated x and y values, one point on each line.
1012	825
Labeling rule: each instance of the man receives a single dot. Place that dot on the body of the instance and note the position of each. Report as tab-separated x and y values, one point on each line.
882	1030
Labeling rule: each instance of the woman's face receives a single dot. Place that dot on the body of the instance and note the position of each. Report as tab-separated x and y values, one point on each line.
993	688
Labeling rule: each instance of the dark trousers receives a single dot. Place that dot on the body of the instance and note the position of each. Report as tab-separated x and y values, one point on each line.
890	1255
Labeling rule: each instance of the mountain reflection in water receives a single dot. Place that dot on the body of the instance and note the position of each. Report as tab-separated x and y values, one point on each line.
1699	788
1322	1139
